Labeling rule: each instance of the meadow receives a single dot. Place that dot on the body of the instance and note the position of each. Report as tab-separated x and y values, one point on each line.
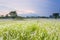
30	29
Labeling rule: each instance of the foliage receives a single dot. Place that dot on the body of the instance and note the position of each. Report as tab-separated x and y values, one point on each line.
56	15
13	14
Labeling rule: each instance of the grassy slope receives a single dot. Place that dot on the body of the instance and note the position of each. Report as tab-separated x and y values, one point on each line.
42	29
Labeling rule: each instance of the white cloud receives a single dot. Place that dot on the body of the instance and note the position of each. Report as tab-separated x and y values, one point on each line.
25	11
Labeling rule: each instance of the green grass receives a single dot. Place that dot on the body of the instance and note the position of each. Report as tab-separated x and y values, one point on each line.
42	29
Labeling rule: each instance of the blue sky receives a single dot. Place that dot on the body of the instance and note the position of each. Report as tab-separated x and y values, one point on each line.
30	7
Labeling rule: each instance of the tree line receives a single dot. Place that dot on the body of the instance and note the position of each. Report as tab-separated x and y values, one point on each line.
54	15
13	15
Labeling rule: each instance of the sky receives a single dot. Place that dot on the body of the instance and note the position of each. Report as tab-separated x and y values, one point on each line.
30	7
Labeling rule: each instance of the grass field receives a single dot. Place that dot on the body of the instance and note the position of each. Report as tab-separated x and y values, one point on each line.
35	29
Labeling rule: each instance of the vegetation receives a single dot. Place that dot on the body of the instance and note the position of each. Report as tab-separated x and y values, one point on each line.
13	14
36	29
55	15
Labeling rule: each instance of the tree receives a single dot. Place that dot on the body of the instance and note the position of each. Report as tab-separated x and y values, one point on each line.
50	16
6	16
2	16
56	15
13	14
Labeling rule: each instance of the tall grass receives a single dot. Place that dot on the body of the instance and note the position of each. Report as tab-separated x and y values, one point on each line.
30	30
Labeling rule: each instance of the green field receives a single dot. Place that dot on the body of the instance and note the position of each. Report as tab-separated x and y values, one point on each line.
30	29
